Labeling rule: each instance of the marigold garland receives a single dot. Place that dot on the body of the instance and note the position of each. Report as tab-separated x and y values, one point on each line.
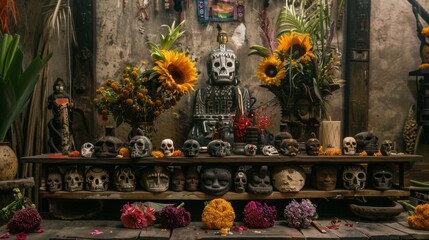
218	214
421	219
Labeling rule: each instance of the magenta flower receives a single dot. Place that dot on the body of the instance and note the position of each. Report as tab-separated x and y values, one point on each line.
259	215
25	220
135	216
172	217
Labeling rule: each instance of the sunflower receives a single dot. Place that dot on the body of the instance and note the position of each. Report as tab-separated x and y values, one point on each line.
177	72
300	44
271	71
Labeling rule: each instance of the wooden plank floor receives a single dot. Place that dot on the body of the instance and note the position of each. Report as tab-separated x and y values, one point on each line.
396	228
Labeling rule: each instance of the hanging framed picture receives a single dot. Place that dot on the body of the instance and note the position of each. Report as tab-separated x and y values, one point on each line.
220	10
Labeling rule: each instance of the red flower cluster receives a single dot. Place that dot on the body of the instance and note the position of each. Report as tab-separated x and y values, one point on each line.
135	216
259	215
172	217
25	220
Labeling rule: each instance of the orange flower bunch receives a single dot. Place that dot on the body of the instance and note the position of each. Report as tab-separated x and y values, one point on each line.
421	219
218	214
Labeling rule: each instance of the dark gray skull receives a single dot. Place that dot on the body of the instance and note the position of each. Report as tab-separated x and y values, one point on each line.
55	182
279	137
240	181
217	148
387	148
259	181
289	147
191	148
312	146
381	176
108	146
140	146
125	179
367	141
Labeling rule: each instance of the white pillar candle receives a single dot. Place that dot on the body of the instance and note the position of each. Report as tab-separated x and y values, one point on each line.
330	134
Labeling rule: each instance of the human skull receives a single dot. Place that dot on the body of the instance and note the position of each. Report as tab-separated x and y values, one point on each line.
354	177
97	179
125	179
73	179
178	180
288	178
387	148
324	177
55	182
217	148
222	66
259	181
108	146
240	180
250	149
192	179
289	147
270	150
349	146
87	150
140	146
167	147
215	180
279	137
367	141
381	176
312	146
191	148
155	179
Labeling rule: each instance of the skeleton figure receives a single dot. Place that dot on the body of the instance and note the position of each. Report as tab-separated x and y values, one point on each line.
217	148
312	146
155	179
87	150
354	177
215	180
367	141
108	146
289	147
73	179
140	146
381	176
125	179
178	180
270	150
167	147
55	181
240	180
97	179
250	150
387	148
192	178
324	177
191	148
259	181
349	146
288	178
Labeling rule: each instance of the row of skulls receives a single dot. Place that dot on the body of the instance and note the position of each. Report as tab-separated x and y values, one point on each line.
216	180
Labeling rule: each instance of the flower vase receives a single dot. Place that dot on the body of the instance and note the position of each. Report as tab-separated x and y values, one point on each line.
8	162
146	129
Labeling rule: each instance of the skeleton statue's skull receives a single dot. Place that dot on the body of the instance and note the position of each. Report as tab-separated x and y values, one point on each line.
167	147
354	177
87	150
216	148
270	150
240	180
97	179
381	176
250	149
387	148
73	179
215	180
288	178
140	146
125	179
54	182
279	137
222	66
178	180
324	177
349	146
289	147
155	179
259	181
191	148
312	146
108	146
366	141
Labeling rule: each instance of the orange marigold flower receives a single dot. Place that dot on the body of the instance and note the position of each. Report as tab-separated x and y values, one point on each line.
144	91
124	152
134	73
158	102
140	96
156	113
74	153
177	153
129	101
157	154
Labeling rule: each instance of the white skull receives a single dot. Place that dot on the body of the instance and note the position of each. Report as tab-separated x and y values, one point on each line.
270	150
55	182
217	148
354	177
140	146
125	179
240	181
191	148
250	149
222	66
167	147
349	146
73	180
97	179
87	150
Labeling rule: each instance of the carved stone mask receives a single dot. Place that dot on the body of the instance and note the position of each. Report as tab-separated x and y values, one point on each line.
216	180
191	148
270	150
324	177
178	180
367	141
240	181
155	179
217	148
108	146
259	181
167	147
87	150
354	177
312	146
55	182
140	146
288	179
73	179
381	177
97	179
387	148
192	179
125	179
222	66
289	147
279	137
250	149
349	146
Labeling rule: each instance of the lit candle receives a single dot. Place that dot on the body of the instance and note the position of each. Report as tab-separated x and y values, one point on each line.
330	134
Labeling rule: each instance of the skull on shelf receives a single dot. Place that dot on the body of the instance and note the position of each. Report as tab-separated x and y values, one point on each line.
240	180
279	137
54	181
125	179
387	148
367	141
140	146
324	177
155	179
97	179
270	150
354	177
312	146
381	176
73	179
289	147
192	178
167	147
191	148
288	178
108	146
250	149
216	148
87	150
215	180
178	180
349	146
259	181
